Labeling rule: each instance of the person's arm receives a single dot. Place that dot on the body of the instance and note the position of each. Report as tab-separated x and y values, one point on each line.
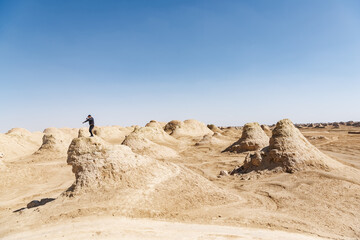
86	120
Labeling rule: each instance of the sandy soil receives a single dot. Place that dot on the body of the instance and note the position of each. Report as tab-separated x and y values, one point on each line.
125	228
303	205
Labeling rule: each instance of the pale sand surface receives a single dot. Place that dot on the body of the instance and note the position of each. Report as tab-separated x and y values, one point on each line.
270	206
125	228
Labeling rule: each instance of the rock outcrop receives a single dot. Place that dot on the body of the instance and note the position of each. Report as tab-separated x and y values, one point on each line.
107	172
288	151
57	140
253	138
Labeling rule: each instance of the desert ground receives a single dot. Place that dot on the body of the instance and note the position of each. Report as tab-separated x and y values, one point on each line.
182	180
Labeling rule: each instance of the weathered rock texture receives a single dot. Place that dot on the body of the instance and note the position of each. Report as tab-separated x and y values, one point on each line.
115	172
189	128
253	138
153	142
56	140
288	151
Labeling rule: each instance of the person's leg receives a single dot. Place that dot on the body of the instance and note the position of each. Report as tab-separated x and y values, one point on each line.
90	130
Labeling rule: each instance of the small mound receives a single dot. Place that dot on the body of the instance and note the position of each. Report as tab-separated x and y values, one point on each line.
214	128
188	128
153	142
19	142
253	138
288	151
171	126
215	139
156	124
21	132
108	171
56	140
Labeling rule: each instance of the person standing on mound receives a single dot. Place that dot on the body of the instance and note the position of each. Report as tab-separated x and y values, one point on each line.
90	119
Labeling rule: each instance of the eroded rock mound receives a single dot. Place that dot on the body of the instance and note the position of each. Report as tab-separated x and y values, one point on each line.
56	140
112	134
253	138
187	128
156	124
19	142
214	128
115	173
153	142
21	132
288	151
214	139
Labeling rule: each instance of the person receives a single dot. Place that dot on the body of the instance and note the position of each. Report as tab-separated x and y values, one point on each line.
90	119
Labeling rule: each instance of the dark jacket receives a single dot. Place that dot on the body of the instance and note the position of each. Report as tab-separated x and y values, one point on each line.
90	120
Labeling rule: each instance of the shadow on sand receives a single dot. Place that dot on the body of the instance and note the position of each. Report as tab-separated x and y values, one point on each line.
35	203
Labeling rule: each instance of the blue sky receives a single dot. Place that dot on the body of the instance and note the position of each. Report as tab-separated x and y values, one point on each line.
223	62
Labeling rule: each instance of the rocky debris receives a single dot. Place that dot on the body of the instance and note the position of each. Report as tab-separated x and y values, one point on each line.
288	151
336	125
187	128
253	138
2	155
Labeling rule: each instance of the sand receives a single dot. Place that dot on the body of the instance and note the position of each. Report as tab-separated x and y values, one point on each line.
310	203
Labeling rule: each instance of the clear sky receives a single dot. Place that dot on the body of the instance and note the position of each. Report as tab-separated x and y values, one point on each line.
224	62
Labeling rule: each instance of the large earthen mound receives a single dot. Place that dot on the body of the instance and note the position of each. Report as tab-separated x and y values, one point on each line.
115	173
253	138
187	128
288	151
